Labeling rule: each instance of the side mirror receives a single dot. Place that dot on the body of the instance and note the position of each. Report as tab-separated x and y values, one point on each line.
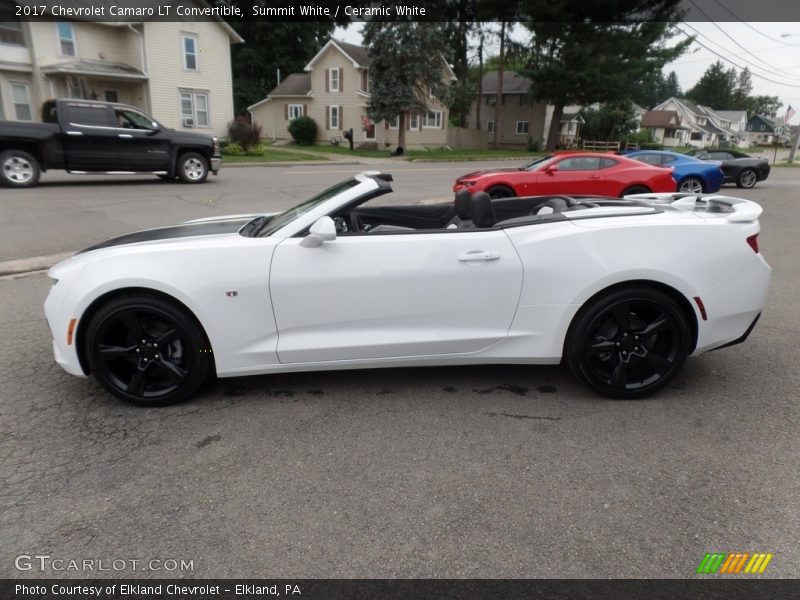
323	230
550	169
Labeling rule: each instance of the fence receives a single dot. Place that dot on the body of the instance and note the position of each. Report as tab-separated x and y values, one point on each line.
597	146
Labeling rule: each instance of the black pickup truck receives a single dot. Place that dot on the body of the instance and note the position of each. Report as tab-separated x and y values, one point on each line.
82	136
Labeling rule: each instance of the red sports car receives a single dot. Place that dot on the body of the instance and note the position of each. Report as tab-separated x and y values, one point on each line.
590	173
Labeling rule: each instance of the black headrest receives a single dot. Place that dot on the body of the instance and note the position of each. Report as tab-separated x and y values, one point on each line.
482	210
463	203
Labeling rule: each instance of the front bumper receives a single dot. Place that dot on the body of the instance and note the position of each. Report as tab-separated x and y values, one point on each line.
216	165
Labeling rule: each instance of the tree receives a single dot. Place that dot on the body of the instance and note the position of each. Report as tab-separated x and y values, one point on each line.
672	89
612	122
716	87
763	105
744	86
597	52
270	46
406	69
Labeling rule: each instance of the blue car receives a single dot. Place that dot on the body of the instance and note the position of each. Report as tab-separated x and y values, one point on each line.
693	175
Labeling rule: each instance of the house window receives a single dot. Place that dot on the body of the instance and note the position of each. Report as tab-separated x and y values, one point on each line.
11	33
333	117
295	111
190	52
365	80
333	80
491	99
66	39
395	123
522	127
432	119
112	96
490	126
763	128
414	121
194	109
21	97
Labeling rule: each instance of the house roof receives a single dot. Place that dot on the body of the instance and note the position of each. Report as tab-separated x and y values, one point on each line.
734	116
296	84
513	83
356	54
568	117
661	118
95	68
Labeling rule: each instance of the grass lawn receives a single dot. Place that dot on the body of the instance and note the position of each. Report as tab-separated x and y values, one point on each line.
270	156
786	164
343	149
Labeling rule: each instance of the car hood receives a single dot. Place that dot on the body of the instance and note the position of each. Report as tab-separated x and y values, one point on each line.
200	227
475	174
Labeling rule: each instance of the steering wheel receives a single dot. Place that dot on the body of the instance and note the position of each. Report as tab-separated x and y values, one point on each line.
355	222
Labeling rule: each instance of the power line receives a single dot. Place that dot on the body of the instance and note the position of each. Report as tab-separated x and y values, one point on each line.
735	16
773	72
771	68
726	59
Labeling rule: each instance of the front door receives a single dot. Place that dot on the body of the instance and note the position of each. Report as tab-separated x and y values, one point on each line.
143	146
370	296
90	143
574	175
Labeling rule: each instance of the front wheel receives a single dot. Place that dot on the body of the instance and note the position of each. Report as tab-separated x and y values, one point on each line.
628	343
747	179
691	185
192	168
19	169
500	191
147	351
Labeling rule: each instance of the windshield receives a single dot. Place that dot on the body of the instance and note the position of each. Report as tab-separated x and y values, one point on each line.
290	215
538	163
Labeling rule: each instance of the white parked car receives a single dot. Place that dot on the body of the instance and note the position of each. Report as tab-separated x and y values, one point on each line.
621	290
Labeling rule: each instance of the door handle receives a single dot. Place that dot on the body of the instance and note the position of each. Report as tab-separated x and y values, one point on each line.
74	133
125	136
478	255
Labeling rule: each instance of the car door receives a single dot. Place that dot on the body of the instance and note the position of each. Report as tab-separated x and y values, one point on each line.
90	143
143	146
373	296
572	175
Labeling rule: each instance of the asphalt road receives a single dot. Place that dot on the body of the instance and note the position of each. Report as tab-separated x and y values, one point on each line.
441	472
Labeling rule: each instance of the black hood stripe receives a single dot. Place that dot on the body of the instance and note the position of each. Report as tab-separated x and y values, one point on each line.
177	231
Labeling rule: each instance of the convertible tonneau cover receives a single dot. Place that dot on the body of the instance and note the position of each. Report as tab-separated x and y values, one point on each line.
736	210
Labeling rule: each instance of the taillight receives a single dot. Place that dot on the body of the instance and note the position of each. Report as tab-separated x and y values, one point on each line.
753	242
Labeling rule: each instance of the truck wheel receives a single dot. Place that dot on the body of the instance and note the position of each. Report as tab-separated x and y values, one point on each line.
19	169
192	168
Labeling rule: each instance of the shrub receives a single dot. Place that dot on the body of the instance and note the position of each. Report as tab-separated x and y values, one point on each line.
534	145
233	149
243	132
257	150
303	130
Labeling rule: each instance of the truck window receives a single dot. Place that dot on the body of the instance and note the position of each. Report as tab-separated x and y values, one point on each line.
88	116
131	119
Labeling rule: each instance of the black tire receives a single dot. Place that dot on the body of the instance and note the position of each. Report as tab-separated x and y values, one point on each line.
693	185
19	169
628	343
192	168
147	351
747	178
636	189
501	191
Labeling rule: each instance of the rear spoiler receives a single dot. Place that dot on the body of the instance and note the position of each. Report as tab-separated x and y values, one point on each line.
738	210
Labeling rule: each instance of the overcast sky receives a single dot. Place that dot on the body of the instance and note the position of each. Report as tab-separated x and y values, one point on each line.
773	60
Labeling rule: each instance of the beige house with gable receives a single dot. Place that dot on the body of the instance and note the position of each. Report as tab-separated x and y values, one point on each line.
179	72
334	91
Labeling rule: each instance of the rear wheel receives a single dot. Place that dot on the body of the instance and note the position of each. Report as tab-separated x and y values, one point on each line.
635	189
691	185
19	169
147	351
747	178
500	191
628	343
192	168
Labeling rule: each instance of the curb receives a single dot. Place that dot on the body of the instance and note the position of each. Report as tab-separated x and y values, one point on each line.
27	265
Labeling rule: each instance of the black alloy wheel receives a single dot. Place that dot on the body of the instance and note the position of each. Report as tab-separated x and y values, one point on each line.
500	191
147	351
747	179
628	343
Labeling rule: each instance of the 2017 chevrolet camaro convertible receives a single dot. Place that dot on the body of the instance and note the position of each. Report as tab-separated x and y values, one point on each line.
622	290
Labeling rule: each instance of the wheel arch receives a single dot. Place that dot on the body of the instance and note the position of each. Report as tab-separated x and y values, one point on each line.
501	184
100	301
680	299
184	149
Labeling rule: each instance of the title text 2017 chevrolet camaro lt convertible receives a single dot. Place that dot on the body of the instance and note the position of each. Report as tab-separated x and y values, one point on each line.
615	288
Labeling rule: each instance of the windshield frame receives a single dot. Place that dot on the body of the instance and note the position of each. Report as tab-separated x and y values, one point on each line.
539	163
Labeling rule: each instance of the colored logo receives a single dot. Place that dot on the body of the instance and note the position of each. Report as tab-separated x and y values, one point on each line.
728	563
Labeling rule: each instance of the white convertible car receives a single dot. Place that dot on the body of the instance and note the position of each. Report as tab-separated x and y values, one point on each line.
621	290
